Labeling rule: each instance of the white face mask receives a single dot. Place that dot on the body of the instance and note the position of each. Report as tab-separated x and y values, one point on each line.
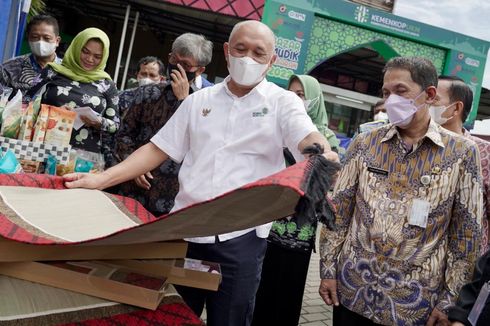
246	71
42	49
380	116
436	113
146	81
309	104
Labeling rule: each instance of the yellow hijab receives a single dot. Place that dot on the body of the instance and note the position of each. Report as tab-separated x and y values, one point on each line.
71	67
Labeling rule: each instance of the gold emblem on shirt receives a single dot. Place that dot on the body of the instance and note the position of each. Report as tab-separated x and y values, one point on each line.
205	112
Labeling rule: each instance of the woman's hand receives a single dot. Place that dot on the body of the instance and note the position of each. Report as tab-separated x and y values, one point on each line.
97	124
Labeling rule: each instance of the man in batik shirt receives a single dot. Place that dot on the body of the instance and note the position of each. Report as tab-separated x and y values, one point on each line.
409	204
450	110
152	107
43	35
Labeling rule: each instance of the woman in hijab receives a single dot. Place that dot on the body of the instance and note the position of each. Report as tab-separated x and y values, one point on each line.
80	81
290	243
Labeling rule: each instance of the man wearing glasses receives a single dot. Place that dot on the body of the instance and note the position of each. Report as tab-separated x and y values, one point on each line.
152	106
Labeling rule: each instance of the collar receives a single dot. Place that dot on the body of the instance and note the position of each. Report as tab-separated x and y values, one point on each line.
433	133
260	88
198	82
36	65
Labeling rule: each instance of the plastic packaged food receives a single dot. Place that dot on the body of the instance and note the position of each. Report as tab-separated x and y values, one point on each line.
50	165
41	124
4	98
27	124
60	126
11	117
9	163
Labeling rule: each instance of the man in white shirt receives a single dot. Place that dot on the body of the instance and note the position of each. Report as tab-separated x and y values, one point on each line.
226	136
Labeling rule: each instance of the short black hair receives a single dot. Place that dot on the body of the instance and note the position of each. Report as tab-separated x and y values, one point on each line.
422	70
459	91
150	59
47	19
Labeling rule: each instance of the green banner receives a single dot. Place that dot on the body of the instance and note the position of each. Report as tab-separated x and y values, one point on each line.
292	27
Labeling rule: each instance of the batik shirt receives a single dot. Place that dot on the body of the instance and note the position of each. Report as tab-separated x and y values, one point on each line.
18	73
484	147
388	270
152	106
101	96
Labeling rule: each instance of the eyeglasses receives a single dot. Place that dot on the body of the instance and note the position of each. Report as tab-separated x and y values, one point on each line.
173	60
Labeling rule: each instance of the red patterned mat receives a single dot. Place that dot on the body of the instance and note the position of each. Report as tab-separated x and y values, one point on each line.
253	204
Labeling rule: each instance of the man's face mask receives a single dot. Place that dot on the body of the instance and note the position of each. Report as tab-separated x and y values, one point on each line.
246	71
437	111
401	110
189	74
381	116
42	49
146	81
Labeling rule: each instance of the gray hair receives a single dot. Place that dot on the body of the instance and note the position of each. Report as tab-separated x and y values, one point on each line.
422	70
268	31
195	46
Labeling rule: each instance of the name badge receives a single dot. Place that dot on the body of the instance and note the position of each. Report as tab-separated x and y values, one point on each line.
419	213
377	171
479	304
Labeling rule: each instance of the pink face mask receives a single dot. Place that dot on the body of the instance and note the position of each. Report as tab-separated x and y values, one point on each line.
401	110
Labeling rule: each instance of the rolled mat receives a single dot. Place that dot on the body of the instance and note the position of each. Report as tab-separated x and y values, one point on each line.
256	203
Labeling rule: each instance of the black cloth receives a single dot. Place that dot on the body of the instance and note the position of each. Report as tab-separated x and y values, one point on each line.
280	295
469	293
343	317
241	265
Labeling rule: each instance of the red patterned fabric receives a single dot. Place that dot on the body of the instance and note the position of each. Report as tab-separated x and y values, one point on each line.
169	315
290	178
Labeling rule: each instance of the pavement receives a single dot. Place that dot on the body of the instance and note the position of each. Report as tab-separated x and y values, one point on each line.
314	311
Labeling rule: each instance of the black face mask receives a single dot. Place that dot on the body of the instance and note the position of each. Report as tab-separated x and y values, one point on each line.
190	75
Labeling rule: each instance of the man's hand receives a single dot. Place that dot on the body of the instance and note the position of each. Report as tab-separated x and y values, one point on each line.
332	156
457	323
438	318
180	84
328	291
143	182
84	180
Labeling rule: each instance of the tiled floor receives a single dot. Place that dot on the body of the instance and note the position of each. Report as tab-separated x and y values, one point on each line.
314	311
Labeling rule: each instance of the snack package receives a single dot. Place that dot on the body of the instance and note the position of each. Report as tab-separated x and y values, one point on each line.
89	161
31	166
50	165
9	163
4	98
41	124
11	117
60	125
62	169
27	124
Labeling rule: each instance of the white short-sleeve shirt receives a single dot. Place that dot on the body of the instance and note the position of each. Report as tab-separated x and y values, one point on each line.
225	141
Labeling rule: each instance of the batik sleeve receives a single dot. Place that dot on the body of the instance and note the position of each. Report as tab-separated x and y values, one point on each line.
331	241
128	133
464	229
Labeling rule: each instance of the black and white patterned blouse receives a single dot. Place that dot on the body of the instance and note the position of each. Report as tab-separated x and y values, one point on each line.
101	96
